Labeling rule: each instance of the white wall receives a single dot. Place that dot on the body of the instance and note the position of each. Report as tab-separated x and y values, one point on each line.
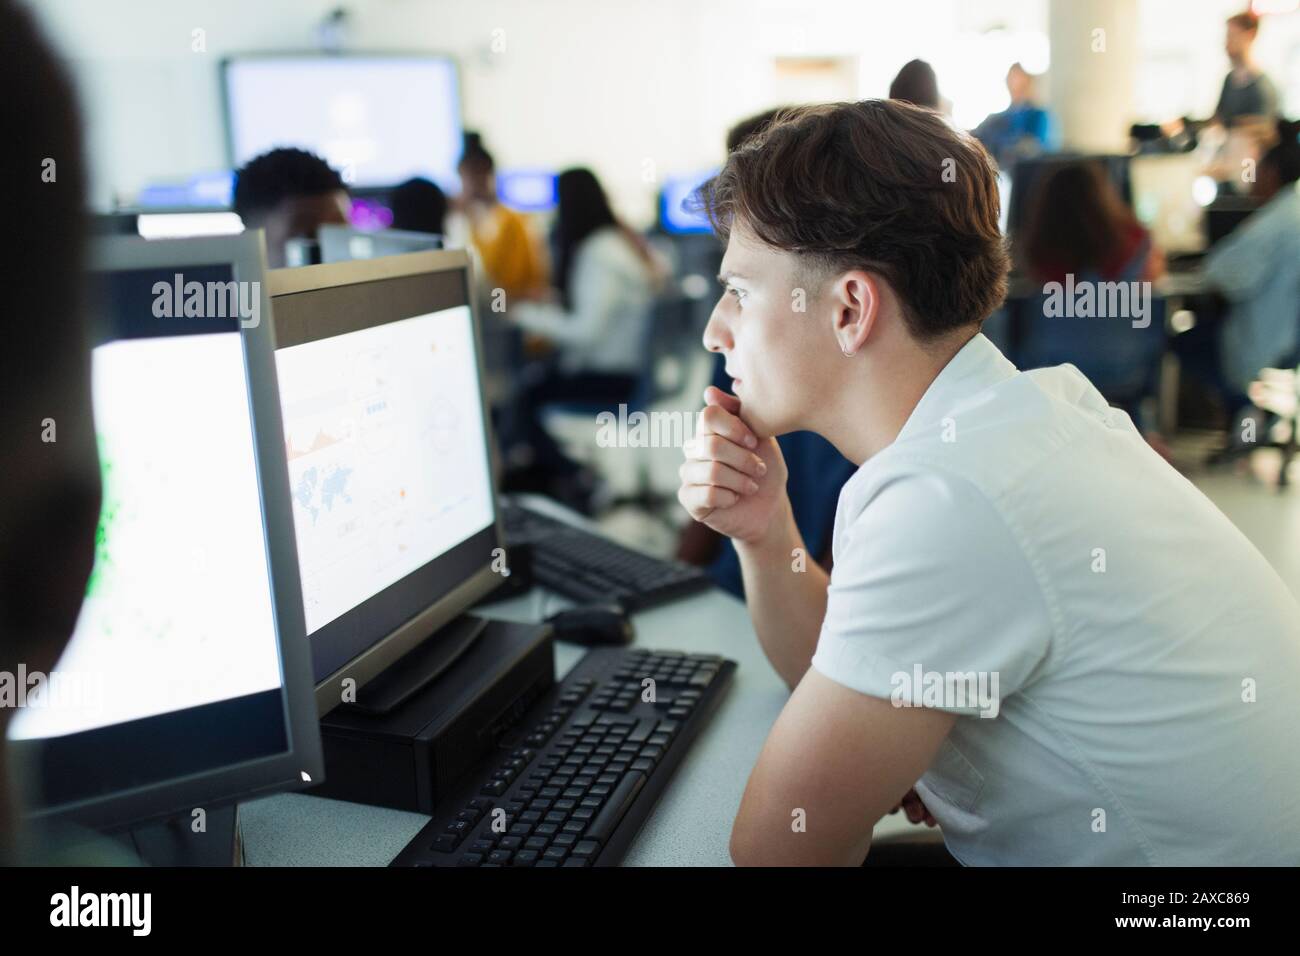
625	86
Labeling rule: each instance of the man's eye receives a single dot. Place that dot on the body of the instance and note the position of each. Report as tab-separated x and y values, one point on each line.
732	290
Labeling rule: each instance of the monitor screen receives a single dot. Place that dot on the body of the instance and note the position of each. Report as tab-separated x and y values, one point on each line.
1029	174
378	119
676	212
527	190
178	638
343	243
386	441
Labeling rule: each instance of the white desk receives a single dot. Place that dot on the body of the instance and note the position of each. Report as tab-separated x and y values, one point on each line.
689	826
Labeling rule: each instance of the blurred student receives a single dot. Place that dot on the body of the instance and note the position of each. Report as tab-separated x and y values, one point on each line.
418	205
1242	126
606	279
289	194
509	252
916	83
1248	94
1257	270
1078	229
1023	129
1033	622
49	505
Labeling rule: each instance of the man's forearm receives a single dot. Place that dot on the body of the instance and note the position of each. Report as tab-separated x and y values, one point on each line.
786	593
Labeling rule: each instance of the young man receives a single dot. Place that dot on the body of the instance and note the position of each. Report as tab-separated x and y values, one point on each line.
1247	91
290	194
1033	620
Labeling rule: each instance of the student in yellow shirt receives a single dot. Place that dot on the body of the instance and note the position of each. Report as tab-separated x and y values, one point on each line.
510	255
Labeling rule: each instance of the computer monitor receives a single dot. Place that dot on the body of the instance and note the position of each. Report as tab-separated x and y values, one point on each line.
1166	199
186	682
678	215
345	243
379	118
214	189
527	190
388	449
1029	173
181	224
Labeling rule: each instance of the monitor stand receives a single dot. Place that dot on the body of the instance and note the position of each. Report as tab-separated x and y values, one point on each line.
174	842
419	667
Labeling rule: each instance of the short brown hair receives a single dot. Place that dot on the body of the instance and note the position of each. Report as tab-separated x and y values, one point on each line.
1245	21
878	185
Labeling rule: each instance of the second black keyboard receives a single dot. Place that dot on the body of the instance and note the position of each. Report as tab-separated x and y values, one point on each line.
594	570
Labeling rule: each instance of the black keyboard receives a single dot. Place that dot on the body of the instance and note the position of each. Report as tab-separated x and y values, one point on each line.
594	570
574	784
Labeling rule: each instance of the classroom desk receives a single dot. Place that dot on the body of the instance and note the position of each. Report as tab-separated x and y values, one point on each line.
689	826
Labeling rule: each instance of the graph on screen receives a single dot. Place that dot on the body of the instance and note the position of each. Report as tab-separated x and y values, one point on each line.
388	467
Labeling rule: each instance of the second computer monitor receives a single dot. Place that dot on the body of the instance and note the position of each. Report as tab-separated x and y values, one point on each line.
387	445
344	243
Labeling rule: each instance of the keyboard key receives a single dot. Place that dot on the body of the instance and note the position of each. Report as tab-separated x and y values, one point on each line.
616	808
641	732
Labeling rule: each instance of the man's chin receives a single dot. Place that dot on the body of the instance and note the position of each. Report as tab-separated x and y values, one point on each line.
765	425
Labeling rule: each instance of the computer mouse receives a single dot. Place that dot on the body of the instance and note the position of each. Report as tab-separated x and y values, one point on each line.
593	624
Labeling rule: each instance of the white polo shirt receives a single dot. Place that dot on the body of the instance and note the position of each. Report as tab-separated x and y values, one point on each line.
1146	656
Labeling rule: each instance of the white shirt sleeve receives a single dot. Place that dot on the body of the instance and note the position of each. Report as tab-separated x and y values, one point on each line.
928	580
595	293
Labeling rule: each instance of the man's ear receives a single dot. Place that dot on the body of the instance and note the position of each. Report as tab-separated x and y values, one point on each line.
856	299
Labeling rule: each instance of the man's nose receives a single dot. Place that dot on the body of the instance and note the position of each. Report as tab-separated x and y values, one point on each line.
717	337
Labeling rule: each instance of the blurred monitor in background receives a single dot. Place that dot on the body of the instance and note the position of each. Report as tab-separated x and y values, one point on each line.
380	119
527	190
345	243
